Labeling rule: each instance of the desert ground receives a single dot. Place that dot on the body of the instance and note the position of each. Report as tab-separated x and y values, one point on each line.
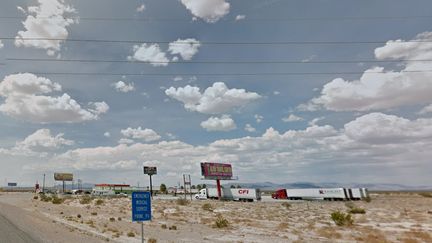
388	217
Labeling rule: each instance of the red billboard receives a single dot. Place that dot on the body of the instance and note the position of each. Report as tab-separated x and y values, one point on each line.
216	170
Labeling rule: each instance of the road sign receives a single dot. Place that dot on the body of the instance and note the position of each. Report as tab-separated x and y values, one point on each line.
141	206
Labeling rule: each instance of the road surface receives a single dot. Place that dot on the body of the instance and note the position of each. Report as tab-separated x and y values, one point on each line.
11	233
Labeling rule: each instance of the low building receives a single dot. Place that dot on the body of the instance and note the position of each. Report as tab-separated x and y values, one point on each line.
114	187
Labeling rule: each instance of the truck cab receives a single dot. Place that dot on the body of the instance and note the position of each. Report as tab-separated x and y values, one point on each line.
201	195
280	194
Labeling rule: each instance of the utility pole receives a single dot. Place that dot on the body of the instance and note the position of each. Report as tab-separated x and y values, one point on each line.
43	185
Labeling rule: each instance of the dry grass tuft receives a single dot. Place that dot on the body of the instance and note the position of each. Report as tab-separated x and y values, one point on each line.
221	222
152	240
86	199
182	201
207	207
342	219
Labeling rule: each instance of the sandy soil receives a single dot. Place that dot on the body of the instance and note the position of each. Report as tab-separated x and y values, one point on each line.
391	217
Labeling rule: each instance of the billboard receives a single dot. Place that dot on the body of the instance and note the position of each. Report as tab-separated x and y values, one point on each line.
12	184
150	170
63	176
216	170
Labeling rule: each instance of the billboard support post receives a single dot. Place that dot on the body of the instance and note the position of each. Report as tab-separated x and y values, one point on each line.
219	190
151	186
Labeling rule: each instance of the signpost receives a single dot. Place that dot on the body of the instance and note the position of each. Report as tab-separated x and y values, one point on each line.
141	209
150	170
11	184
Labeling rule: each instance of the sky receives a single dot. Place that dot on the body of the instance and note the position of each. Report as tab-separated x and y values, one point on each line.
285	91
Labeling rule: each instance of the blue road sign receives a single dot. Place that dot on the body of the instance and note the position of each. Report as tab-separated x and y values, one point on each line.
141	206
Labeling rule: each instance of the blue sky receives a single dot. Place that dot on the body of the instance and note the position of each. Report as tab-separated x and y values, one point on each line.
352	128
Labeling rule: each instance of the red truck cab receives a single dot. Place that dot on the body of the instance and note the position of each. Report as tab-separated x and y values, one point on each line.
280	194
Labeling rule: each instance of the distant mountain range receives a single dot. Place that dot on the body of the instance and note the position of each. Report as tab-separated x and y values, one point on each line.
274	186
370	186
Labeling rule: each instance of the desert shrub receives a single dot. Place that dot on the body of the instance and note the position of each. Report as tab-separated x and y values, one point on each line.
342	219
79	216
164	226
173	227
56	200
356	210
152	240
112	219
425	194
221	222
368	199
94	213
99	202
286	205
182	201
86	199
207	207
131	234
45	198
119	219
35	197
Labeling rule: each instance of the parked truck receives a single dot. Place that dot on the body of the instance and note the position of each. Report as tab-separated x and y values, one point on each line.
235	194
331	194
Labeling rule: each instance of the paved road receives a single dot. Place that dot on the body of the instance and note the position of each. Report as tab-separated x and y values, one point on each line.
9	233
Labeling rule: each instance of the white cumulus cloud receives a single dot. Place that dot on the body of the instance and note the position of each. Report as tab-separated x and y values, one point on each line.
48	22
240	17
149	53
224	123
39	143
146	134
121	86
258	118
292	118
379	88
426	109
186	48
208	10
216	99
249	128
140	8
26	99
1	44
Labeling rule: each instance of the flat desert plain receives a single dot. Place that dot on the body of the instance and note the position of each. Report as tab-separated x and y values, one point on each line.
388	217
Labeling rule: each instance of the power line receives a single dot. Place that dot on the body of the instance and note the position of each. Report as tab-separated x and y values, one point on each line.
221	74
215	62
220	42
232	20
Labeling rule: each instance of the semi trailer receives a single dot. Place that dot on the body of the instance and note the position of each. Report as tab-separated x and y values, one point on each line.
331	194
234	194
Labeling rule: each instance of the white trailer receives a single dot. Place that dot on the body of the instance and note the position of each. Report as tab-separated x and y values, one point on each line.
97	192
357	193
235	194
316	194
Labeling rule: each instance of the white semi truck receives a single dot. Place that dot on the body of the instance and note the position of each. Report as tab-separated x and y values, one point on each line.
235	194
